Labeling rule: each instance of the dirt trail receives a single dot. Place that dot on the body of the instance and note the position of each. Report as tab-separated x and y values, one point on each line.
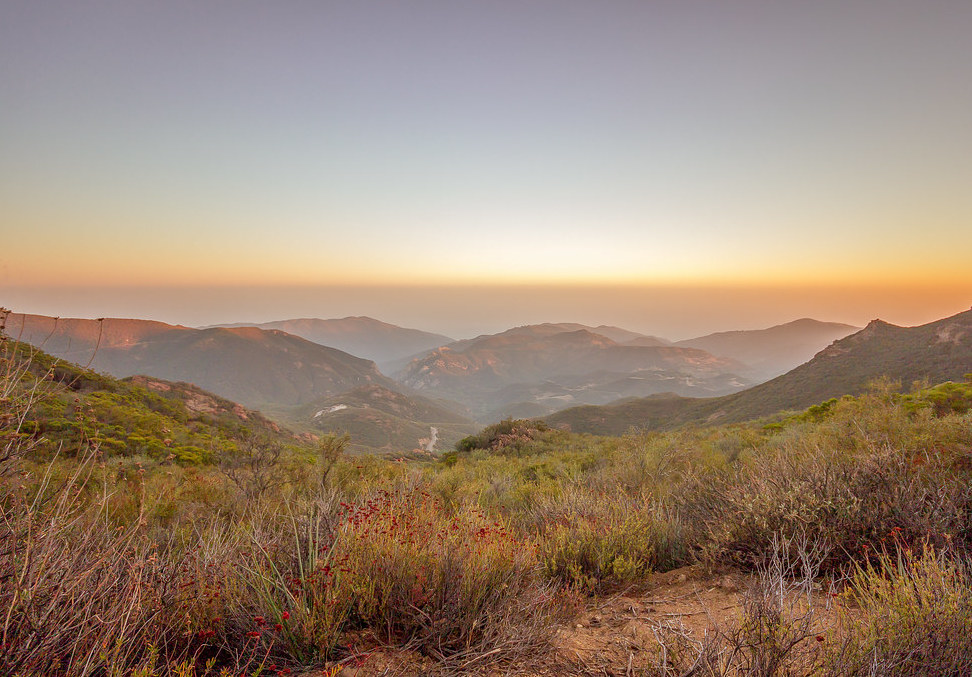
616	634
619	635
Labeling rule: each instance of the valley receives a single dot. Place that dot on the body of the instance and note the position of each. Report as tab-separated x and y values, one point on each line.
322	376
586	541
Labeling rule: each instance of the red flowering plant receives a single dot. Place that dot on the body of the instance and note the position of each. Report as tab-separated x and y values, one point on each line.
443	579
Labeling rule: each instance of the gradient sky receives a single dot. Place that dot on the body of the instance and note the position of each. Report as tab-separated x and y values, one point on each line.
636	148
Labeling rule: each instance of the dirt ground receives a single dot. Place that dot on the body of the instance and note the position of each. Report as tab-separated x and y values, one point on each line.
612	635
619	635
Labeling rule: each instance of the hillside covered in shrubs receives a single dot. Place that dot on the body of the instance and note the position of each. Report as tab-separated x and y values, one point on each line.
238	548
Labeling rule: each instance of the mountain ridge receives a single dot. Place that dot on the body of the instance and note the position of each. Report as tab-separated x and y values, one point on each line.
937	351
358	335
562	363
245	364
775	350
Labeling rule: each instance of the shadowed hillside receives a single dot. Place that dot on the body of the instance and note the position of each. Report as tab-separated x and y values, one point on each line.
248	365
938	351
362	337
774	351
137	416
557	365
383	420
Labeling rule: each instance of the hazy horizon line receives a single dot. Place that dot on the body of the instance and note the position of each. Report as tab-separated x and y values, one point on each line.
675	313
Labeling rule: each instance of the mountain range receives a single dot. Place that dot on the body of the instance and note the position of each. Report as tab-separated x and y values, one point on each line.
363	337
934	352
550	366
285	376
528	371
774	351
252	366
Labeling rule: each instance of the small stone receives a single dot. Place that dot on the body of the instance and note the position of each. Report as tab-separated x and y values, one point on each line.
580	626
681	578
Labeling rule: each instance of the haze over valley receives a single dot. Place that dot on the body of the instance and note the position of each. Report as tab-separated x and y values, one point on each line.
532	371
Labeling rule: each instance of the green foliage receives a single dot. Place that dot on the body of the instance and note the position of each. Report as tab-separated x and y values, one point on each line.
943	399
76	407
813	414
872	466
913	616
598	541
210	541
507	436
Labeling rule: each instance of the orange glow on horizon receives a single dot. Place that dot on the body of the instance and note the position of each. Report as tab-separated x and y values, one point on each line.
63	270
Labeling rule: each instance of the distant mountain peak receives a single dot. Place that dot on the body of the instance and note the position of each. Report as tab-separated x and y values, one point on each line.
246	364
359	335
934	352
552	365
878	322
774	350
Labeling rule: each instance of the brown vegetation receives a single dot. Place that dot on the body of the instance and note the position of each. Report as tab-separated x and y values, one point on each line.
835	542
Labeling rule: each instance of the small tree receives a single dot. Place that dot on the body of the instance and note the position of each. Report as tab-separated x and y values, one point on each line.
254	466
330	450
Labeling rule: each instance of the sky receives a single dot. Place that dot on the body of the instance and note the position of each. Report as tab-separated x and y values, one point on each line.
672	166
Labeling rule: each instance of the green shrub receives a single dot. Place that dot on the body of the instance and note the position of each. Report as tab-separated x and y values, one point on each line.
507	436
596	541
943	399
871	467
911	615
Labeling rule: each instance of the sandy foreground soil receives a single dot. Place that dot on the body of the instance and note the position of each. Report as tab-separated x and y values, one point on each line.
615	634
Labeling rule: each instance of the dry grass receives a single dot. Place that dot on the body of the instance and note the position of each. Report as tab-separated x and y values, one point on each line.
913	616
106	571
598	540
80	595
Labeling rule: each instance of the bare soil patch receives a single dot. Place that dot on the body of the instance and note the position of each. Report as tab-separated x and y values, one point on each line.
618	634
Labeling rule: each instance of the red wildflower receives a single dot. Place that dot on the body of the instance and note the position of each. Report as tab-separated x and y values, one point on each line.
285	615
253	633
